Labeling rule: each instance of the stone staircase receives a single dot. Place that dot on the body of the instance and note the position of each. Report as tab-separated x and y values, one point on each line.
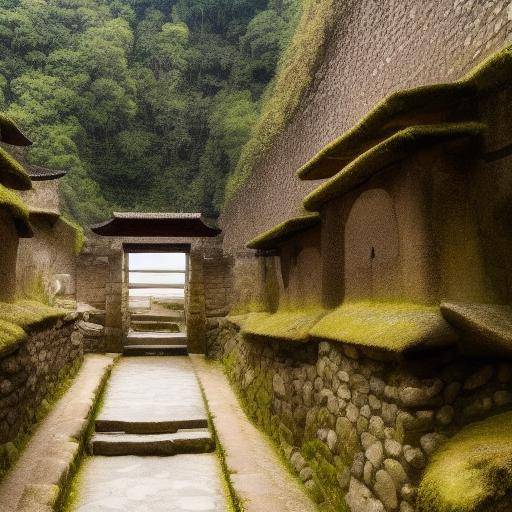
156	334
153	407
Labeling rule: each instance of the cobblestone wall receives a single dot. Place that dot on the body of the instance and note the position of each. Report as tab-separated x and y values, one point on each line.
379	47
357	430
30	373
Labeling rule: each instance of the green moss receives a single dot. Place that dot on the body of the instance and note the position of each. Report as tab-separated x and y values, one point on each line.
489	327
472	471
294	76
11	134
280	233
292	325
395	148
10	334
29	314
391	327
403	108
80	238
12	173
13	203
248	318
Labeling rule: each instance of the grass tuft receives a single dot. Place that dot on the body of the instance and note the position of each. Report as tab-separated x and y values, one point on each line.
471	472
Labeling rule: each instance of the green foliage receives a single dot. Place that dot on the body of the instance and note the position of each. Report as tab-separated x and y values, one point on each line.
295	73
147	103
472	471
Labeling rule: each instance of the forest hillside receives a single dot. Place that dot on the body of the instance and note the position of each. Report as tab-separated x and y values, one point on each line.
147	103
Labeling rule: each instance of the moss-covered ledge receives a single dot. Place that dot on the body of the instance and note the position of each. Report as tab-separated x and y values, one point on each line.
472	472
12	173
18	319
275	236
14	205
425	104
397	147
289	325
394	329
487	327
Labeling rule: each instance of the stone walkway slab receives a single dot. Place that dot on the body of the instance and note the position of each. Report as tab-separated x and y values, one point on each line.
33	482
183	483
183	441
258	476
152	395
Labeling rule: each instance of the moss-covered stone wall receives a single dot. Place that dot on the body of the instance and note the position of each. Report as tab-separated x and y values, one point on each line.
9	241
358	431
30	374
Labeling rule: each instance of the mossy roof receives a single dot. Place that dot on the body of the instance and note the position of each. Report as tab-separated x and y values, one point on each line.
12	173
277	235
404	108
395	148
15	206
472	471
11	134
253	317
51	215
395	328
293	325
19	318
490	327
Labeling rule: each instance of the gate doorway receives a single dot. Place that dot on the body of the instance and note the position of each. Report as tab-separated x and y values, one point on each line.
156	286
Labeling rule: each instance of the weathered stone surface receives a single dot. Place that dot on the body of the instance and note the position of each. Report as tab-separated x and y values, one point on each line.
431	442
385	489
479	378
360	499
444	416
375	454
376	427
396	471
392	448
416	397
414	457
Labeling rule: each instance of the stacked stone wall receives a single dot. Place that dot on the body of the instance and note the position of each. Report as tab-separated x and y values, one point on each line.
30	373
358	431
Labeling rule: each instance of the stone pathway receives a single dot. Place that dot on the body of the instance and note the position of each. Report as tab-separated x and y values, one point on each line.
45	462
153	406
183	483
258	476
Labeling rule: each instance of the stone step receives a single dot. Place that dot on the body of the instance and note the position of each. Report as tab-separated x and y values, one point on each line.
156	338
155	350
171	426
171	316
183	441
155	326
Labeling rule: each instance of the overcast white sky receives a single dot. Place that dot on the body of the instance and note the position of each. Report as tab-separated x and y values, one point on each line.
155	260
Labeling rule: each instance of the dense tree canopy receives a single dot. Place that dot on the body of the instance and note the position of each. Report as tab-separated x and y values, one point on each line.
146	102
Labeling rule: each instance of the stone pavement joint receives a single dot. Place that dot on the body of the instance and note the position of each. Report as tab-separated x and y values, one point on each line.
259	478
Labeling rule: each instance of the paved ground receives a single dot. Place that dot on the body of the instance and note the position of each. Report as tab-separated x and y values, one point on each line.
152	397
259	478
183	483
45	459
153	390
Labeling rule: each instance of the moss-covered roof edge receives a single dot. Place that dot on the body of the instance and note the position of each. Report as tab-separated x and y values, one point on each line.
15	206
12	173
395	148
273	237
11	134
489	74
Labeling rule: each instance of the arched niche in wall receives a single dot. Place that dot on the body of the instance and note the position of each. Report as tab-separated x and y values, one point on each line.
301	266
372	248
